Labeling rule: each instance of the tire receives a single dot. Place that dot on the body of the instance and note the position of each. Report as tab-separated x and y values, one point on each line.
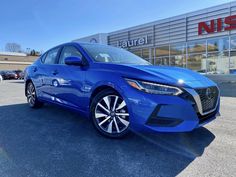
32	96
110	114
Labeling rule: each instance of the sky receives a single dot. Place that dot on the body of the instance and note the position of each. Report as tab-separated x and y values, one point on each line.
42	24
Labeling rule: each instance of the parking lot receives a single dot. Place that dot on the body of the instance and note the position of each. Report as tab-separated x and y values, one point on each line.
54	142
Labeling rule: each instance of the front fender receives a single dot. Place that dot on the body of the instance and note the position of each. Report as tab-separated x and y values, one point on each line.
120	88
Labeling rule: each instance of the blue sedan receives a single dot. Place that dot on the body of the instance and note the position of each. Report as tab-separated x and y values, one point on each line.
120	91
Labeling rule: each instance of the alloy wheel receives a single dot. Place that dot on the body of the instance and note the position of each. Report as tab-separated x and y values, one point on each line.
112	115
31	95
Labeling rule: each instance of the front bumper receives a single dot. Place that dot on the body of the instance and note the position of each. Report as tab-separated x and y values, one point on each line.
163	113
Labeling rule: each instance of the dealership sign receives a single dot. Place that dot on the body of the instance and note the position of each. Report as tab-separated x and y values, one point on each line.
134	42
217	25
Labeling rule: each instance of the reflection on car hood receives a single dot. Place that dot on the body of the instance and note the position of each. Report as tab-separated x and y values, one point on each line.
176	75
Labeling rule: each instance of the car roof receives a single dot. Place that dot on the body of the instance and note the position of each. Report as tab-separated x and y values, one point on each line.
81	43
89	43
74	42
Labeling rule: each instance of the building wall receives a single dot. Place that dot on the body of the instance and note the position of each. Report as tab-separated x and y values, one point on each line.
13	54
175	41
100	38
18	58
177	29
15	62
12	66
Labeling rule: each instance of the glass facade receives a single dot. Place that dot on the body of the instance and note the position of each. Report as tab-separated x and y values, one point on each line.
209	56
178	55
232	62
144	53
197	62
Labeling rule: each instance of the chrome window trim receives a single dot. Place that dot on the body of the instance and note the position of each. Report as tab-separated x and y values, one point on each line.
198	100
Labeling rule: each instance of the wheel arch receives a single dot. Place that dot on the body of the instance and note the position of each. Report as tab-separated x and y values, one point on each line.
101	88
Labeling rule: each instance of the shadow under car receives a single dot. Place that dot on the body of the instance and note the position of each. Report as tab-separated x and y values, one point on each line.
52	141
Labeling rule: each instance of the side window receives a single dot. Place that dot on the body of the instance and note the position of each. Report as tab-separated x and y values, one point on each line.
43	57
51	56
67	52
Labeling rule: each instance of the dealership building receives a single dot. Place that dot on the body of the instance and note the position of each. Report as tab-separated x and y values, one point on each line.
204	40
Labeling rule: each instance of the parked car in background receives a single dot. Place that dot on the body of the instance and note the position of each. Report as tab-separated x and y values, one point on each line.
3	75
11	75
18	73
6	75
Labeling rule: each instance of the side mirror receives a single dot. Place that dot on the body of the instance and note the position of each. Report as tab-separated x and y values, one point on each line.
72	60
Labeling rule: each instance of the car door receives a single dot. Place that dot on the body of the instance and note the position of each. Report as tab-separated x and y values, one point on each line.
46	74
70	79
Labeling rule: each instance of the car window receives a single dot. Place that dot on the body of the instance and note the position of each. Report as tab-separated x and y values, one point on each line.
67	52
43	57
51	56
109	54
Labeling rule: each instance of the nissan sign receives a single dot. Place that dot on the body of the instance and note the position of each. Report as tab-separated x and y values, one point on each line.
217	25
133	43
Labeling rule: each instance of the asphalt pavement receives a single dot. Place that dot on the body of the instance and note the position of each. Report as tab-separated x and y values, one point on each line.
54	142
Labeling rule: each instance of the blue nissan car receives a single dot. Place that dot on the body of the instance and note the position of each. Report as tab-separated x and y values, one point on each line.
120	91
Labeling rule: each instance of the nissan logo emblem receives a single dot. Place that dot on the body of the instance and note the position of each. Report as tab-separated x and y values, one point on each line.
93	40
208	93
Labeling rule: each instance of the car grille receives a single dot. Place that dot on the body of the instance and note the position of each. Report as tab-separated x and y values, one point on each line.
209	97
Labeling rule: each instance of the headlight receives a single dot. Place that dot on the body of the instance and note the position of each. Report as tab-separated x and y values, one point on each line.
154	88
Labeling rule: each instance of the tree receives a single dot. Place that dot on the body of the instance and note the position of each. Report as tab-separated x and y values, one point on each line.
13	47
32	53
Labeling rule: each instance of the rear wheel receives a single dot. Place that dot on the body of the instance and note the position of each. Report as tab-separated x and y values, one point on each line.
32	97
110	114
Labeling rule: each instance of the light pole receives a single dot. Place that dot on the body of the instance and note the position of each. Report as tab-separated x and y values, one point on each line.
28	50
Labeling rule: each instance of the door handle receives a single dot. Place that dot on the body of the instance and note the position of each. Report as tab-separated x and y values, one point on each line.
55	72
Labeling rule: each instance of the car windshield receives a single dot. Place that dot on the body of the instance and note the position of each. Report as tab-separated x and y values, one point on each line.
109	54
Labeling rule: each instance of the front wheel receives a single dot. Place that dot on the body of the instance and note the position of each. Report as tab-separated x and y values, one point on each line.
110	114
32	97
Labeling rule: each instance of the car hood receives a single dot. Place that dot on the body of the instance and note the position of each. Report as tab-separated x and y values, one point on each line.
175	75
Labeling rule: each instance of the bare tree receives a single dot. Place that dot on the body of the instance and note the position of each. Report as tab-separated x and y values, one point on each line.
13	47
